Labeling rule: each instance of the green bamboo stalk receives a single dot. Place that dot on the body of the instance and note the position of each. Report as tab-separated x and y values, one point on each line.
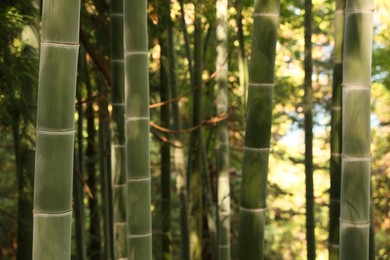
242	58
52	212
178	154
166	252
77	187
105	174
335	135
308	103
139	229
258	131
356	158
195	161
223	133
118	163
94	248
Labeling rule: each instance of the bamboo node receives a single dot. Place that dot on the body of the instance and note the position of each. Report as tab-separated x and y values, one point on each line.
253	210
139	235
354	224
261	85
266	14
265	149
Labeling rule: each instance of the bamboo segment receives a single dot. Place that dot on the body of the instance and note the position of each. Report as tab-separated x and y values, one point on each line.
55	130
223	133
118	156
335	136
356	158
258	131
139	229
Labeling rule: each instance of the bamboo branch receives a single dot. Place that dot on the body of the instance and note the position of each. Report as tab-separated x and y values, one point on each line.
100	63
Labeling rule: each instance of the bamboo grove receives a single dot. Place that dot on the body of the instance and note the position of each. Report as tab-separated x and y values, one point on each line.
179	129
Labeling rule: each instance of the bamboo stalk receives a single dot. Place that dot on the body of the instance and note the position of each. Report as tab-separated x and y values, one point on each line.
166	238
356	158
223	133
258	131
137	119
118	162
335	135
308	113
55	130
178	154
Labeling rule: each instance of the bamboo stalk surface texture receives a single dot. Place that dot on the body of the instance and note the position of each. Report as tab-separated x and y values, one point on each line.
55	130
223	133
335	135
118	158
356	158
139	224
258	130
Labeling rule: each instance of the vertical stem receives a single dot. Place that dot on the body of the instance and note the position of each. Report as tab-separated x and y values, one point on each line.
137	119
164	13
335	135
223	133
77	190
258	131
356	158
118	163
195	178
181	178
105	178
55	130
94	250
308	101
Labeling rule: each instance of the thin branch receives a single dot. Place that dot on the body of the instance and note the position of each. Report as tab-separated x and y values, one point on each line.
211	121
85	185
100	63
164	139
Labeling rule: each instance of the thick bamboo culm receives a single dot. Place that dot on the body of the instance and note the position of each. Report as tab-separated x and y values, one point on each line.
118	163
356	158
139	224
258	130
335	135
223	133
55	130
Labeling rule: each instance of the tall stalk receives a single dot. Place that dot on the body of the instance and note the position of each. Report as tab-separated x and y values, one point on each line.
165	151
258	130
77	187
105	174
52	212
356	158
137	130
195	159
178	154
223	133
308	101
118	163
335	135
94	249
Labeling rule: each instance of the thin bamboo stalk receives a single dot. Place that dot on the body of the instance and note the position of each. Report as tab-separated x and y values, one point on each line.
223	133
137	119
195	153
55	130
118	162
181	178
356	158
165	151
335	135
308	113
258	131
